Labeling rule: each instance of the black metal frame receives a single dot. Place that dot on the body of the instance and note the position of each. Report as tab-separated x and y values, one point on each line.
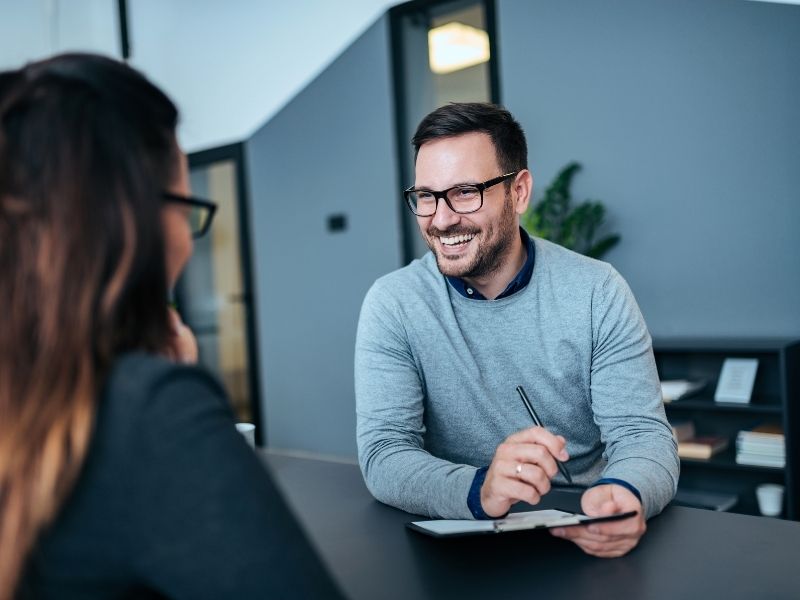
124	33
396	14
236	153
480	187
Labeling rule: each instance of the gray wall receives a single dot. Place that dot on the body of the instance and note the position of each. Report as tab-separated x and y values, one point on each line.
329	151
686	117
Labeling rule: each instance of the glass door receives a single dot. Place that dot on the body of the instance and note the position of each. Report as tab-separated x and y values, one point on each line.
213	294
442	52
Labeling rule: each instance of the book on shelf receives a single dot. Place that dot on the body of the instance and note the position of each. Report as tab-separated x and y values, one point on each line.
771	431
760	460
760	446
763	446
676	389
702	447
682	430
751	447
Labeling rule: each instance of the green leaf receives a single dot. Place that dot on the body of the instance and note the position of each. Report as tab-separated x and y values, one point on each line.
603	246
553	218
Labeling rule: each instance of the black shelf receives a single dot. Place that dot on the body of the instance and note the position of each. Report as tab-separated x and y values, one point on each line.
722	345
703	403
775	398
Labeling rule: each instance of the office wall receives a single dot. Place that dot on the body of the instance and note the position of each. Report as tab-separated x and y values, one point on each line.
685	116
328	152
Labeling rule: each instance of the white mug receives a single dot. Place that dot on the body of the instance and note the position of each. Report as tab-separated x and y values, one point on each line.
770	499
248	430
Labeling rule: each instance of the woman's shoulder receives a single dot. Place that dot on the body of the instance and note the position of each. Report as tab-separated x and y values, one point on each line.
143	375
147	391
135	370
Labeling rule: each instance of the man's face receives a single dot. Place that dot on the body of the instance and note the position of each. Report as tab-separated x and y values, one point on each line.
472	245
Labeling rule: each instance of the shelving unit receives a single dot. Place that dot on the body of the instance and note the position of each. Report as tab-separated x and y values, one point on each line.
776	397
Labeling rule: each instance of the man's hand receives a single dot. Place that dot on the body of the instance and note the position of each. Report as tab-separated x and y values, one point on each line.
612	539
182	346
521	469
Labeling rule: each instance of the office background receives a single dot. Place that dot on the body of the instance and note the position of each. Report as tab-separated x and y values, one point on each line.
682	112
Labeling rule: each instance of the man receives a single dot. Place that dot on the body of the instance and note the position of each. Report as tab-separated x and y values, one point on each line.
443	343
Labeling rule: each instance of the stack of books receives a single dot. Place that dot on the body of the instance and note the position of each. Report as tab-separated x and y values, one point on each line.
763	446
695	446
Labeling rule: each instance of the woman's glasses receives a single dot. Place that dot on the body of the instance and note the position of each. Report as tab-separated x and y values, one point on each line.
200	215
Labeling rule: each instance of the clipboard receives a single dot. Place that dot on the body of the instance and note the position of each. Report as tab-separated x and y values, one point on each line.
521	521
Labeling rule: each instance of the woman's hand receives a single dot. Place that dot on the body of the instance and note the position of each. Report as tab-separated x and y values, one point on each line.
182	346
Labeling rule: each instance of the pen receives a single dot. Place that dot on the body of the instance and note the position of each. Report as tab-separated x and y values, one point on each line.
561	466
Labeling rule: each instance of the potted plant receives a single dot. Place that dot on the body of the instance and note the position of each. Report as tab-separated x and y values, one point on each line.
577	228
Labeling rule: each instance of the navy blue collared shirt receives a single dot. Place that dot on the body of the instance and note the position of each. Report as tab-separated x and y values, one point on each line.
522	278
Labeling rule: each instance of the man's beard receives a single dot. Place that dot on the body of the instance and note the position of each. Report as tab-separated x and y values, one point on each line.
490	253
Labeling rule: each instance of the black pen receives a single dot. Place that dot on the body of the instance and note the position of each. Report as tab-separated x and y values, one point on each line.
561	466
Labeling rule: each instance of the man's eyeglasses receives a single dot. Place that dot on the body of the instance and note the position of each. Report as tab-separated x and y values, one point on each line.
462	199
201	212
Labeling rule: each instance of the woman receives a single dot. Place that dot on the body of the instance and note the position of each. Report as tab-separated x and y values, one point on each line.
121	472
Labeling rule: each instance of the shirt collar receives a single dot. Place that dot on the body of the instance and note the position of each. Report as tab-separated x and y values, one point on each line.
521	280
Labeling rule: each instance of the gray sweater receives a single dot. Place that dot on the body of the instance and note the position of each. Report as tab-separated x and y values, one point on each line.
435	379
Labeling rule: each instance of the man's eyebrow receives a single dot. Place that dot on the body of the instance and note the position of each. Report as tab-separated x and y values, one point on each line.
449	187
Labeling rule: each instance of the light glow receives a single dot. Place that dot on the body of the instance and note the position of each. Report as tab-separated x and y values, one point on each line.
456	46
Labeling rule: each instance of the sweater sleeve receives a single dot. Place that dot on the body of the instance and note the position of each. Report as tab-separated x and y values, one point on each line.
626	398
389	420
207	520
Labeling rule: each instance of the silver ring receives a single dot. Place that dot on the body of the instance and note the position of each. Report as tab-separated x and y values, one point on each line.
519	469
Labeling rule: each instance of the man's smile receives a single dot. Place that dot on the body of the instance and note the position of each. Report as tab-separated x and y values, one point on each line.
456	240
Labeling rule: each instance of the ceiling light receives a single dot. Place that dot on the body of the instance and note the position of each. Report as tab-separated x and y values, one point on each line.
456	46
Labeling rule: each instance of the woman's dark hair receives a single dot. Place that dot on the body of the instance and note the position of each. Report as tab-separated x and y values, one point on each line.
459	118
87	145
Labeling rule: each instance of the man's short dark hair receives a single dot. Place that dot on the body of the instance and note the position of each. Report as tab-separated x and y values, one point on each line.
459	118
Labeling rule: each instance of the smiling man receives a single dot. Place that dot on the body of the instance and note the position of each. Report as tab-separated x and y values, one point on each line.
443	343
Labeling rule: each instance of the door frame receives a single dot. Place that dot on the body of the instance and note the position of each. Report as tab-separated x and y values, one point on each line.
236	152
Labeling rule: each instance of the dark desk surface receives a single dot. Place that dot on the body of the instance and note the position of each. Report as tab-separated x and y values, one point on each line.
686	553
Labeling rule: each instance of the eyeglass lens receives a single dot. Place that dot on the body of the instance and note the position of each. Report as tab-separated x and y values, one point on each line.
198	220
462	199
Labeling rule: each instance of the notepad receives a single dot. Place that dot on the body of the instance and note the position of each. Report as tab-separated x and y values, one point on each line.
534	519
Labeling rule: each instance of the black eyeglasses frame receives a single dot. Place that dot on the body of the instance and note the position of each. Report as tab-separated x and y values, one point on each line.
211	207
482	187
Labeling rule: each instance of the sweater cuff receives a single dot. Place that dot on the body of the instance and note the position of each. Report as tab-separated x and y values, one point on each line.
615	481
474	496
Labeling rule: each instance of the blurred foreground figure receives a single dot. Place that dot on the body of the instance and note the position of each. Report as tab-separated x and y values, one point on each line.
121	472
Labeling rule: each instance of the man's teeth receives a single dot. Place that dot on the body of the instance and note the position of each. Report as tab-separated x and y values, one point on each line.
456	239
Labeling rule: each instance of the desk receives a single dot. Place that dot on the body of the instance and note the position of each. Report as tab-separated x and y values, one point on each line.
686	553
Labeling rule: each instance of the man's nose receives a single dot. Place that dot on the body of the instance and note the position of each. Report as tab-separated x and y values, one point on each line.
445	216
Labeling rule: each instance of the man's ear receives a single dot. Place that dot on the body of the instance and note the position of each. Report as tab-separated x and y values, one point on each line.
523	186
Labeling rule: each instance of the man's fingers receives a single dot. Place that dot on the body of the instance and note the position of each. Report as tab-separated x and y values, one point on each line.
605	539
625	527
584	532
606	550
532	454
556	444
605	507
521	469
533	475
519	490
